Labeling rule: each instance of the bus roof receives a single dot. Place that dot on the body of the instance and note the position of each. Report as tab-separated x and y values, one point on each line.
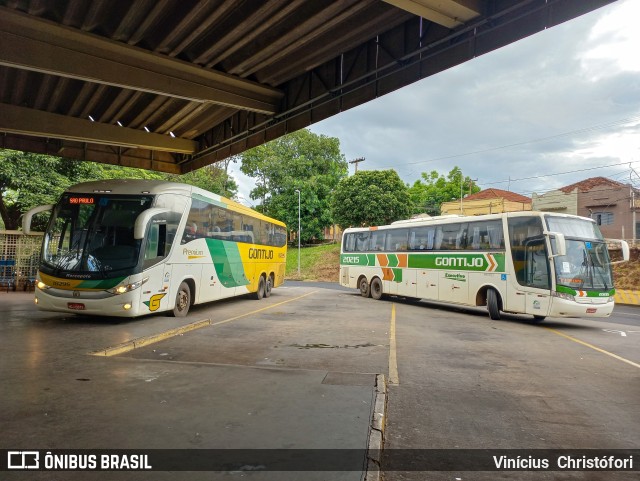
454	218
155	187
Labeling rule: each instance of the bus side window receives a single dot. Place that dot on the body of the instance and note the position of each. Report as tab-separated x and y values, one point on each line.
160	238
362	241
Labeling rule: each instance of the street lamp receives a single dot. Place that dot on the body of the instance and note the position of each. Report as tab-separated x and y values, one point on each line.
298	191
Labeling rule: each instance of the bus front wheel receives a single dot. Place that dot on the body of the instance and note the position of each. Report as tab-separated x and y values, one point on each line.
183	301
493	305
376	288
364	287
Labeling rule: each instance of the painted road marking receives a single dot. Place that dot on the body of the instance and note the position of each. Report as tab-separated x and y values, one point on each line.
622	333
591	346
263	309
393	359
161	336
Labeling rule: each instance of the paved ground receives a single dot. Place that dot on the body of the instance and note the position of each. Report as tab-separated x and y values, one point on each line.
297	370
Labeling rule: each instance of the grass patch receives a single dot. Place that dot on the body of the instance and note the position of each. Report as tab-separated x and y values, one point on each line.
318	263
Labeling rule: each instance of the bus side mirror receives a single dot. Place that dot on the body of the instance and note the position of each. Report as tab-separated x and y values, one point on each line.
142	220
624	246
26	219
560	245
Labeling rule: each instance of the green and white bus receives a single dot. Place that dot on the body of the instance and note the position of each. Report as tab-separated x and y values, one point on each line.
133	247
534	263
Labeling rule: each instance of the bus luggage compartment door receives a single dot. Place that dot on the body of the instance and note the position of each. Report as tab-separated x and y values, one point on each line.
454	287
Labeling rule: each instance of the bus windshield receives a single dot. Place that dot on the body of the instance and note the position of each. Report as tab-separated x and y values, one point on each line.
586	264
94	234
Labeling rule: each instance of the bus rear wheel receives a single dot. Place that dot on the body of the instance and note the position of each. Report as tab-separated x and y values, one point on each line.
363	285
268	286
183	300
493	304
537	319
259	294
376	288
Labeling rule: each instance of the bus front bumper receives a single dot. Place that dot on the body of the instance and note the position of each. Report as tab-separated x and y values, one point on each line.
587	307
124	305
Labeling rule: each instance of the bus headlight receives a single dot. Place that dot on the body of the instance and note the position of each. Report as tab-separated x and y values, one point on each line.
41	285
611	299
563	295
124	288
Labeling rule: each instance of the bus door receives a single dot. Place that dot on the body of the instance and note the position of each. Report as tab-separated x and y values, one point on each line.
157	271
159	240
537	277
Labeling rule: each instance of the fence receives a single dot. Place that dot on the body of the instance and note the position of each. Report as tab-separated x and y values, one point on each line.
19	259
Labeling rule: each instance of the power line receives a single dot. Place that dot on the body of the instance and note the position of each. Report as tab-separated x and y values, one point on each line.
560	173
541	139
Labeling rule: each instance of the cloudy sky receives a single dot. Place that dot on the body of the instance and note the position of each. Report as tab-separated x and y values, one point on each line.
549	110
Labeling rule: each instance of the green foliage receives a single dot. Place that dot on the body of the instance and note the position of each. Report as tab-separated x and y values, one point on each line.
213	178
28	180
319	263
300	161
429	193
371	197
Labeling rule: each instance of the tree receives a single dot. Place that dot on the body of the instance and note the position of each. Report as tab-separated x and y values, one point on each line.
429	193
300	161
28	180
213	178
371	197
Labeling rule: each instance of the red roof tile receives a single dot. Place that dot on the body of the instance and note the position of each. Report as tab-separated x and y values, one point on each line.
588	184
498	194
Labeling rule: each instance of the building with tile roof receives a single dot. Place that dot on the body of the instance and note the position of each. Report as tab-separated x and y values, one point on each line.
613	205
488	201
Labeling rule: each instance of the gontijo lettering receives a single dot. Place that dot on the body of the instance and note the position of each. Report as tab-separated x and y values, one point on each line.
260	253
460	261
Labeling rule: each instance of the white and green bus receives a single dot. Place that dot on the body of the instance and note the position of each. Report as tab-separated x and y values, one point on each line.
534	263
133	247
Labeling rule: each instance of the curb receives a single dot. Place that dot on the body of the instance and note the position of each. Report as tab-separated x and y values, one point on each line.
376	434
626	296
146	340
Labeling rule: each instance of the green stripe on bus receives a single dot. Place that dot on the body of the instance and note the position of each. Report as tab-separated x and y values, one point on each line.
573	292
397	275
358	259
393	260
460	262
228	263
101	283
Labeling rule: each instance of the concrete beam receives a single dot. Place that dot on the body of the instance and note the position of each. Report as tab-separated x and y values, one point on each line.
31	43
22	120
448	13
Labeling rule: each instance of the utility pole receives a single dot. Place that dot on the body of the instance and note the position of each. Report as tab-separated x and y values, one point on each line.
356	161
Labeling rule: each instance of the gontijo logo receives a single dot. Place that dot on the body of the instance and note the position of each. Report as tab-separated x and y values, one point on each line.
460	261
260	253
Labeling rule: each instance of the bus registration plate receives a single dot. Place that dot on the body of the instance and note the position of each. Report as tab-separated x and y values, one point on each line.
77	306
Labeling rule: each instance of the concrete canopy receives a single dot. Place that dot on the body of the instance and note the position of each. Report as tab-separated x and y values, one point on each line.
174	85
